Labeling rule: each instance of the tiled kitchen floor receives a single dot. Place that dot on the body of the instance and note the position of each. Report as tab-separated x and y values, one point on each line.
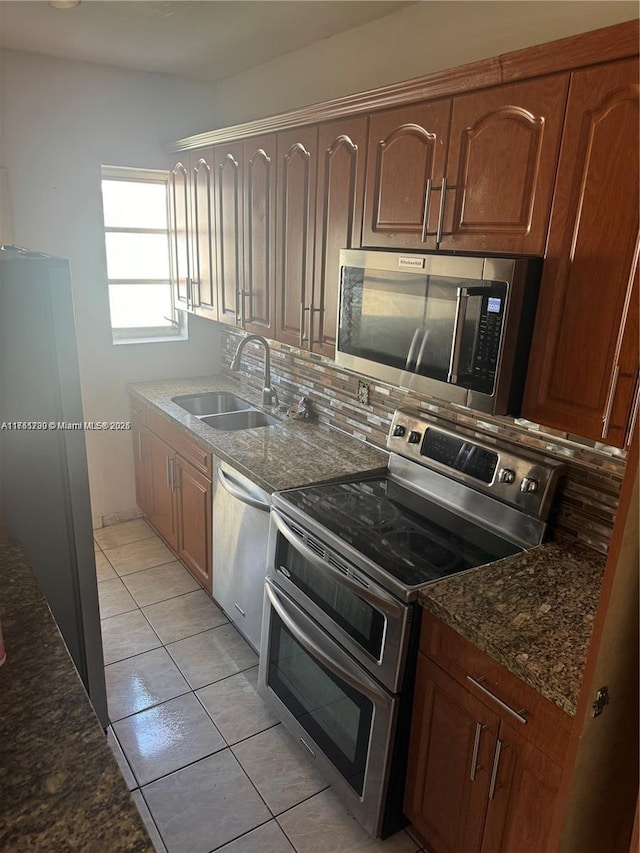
208	765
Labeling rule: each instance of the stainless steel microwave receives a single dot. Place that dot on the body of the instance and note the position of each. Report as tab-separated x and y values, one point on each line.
452	327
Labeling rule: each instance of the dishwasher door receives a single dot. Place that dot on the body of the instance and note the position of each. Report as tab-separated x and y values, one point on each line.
240	536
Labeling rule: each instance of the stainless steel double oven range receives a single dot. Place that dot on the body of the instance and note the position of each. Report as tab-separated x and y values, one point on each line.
346	563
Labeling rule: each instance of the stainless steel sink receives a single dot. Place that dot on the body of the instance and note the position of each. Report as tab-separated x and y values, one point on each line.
239	420
211	403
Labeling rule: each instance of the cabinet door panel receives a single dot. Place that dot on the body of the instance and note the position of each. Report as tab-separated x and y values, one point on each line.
407	149
257	308
523	797
501	167
341	172
140	438
228	225
584	359
443	803
162	472
180	232
202	265
193	492
297	154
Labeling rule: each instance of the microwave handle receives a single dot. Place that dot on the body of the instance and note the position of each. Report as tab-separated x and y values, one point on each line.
464	294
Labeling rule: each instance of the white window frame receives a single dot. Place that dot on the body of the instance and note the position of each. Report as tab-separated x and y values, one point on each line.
146	334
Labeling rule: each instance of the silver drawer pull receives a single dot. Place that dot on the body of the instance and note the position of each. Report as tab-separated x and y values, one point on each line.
519	715
476	746
239	609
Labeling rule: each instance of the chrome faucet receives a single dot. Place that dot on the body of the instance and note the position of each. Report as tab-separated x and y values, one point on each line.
269	394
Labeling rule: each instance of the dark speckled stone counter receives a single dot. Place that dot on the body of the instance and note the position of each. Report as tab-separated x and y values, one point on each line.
289	454
61	789
533	613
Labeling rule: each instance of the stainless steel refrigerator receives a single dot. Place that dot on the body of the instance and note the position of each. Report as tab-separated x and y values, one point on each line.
44	486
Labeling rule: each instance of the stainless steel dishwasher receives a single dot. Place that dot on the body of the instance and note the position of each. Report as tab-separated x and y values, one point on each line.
240	534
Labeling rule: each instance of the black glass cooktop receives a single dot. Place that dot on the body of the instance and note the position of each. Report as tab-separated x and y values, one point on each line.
414	539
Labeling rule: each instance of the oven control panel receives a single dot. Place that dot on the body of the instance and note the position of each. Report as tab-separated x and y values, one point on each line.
521	480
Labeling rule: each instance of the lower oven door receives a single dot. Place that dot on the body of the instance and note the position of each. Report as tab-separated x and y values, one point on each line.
344	719
364	618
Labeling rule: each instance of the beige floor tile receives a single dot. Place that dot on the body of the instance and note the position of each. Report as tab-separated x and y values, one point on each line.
114	598
104	569
321	825
152	829
167	737
140	682
212	655
159	583
184	616
277	766
123	534
268	838
127	635
205	805
235	706
138	556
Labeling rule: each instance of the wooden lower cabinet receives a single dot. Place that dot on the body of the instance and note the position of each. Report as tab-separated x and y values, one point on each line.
478	779
174	491
193	499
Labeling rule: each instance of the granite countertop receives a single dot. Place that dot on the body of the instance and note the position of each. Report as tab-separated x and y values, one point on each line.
289	454
532	612
61	787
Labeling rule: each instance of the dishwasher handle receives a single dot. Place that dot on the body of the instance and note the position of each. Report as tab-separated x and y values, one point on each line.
236	491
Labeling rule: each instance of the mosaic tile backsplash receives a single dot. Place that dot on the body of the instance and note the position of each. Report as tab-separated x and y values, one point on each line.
587	497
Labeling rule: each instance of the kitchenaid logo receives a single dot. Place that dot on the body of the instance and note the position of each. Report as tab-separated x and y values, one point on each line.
411	263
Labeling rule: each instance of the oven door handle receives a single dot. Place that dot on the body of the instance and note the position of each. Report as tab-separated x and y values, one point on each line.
379	599
348	672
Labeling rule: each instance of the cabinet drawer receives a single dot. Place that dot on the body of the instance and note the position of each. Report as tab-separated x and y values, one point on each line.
547	726
180	442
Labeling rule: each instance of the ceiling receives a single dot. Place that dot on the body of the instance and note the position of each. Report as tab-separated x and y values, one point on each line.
203	39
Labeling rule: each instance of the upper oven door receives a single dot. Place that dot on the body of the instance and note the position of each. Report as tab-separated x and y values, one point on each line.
368	622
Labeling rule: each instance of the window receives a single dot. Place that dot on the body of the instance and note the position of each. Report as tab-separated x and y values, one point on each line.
136	226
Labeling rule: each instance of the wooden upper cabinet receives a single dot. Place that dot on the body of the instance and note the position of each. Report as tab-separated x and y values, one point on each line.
229	229
501	167
202	297
342	149
405	164
180	218
295	217
583	369
257	308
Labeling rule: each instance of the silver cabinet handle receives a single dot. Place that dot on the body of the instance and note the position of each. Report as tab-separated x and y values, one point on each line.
608	409
236	491
303	310
195	287
480	686
427	202
443	197
634	414
474	756
345	670
500	745
377	598
239	609
140	456
170	474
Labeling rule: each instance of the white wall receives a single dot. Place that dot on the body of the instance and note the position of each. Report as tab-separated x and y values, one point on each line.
61	120
417	40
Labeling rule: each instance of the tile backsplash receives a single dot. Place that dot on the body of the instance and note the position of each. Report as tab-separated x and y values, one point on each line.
587	498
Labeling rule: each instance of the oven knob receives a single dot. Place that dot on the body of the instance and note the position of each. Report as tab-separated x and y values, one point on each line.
414	437
399	430
528	484
506	475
